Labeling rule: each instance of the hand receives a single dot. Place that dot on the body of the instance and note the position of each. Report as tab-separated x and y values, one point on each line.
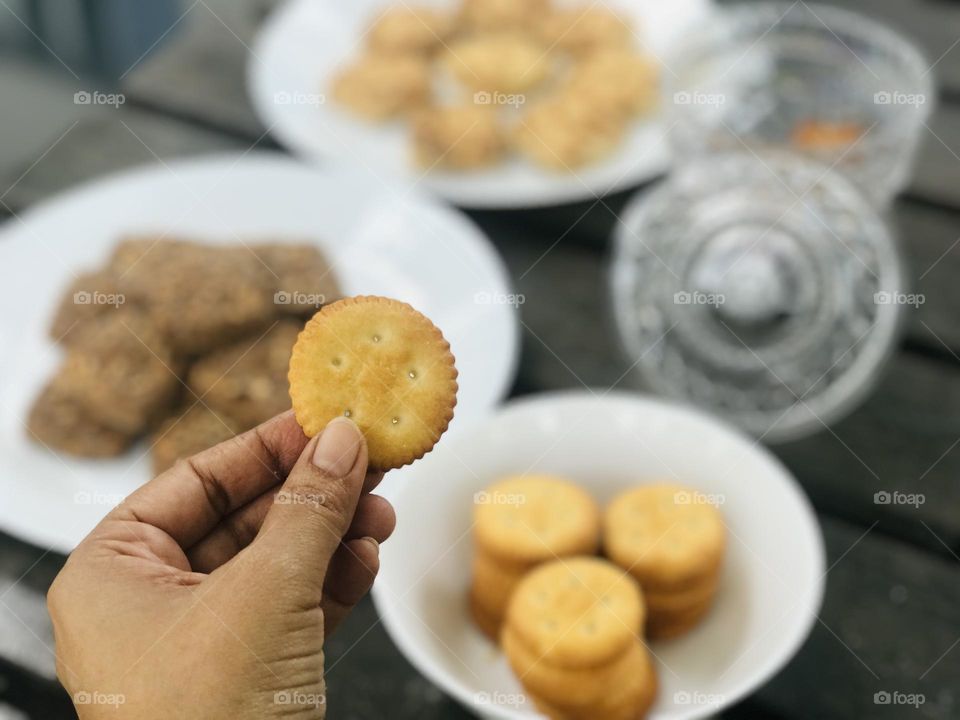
209	591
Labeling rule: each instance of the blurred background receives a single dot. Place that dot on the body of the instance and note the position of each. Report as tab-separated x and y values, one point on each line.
176	73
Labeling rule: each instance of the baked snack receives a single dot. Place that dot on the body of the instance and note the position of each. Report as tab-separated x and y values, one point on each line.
194	429
506	63
406	29
301	277
567	131
381	86
499	15
91	295
247	381
57	422
120	372
586	29
672	540
461	138
199	296
573	636
384	365
618	80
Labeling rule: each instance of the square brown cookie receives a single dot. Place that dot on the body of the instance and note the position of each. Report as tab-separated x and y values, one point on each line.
57	422
247	381
91	295
192	430
120	371
302	278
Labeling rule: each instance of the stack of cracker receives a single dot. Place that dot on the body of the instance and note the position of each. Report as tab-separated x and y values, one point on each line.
672	540
573	635
521	522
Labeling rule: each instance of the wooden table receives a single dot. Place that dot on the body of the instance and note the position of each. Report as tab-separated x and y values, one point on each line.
891	618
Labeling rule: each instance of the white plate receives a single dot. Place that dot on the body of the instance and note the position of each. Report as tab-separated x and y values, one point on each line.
304	41
380	242
773	576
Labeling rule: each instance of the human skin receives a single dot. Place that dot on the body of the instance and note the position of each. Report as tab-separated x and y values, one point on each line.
209	591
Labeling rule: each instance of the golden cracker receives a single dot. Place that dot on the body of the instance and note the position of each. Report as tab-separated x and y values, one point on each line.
382	364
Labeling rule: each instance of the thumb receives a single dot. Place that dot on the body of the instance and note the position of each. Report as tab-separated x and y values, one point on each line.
313	510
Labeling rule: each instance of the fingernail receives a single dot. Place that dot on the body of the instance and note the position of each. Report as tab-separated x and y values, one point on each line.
339	445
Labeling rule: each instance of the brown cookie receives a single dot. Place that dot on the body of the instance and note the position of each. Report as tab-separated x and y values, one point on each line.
380	86
587	29
302	277
191	431
120	371
410	29
200	296
91	295
499	63
57	422
502	15
459	137
247	381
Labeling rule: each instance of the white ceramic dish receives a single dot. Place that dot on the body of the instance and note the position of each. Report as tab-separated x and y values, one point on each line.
304	41
380	241
773	577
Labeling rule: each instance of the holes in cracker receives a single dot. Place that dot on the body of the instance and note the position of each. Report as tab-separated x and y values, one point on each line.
375	338
412	374
395	421
589	628
347	413
336	362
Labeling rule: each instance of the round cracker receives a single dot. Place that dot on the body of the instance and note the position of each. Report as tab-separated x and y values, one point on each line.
674	601
666	625
526	519
382	364
488	623
666	536
577	612
494	582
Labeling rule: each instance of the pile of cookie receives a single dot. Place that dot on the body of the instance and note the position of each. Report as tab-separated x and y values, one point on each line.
571	591
559	86
182	341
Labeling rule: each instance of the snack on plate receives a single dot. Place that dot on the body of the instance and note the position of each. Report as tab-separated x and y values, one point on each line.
379	87
506	63
194	429
672	540
120	372
247	381
382	364
499	15
568	131
586	29
91	295
573	637
405	29
465	137
199	296
520	522
302	277
58	423
620	81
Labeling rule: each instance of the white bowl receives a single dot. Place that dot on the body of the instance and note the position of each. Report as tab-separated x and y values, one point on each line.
772	581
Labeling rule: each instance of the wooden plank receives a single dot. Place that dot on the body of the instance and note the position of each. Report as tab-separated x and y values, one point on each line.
888	622
109	140
201	74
